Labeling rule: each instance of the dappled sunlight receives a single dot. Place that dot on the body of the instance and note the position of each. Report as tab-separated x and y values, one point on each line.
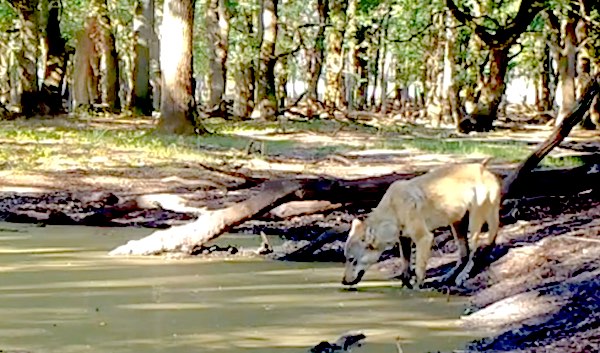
68	299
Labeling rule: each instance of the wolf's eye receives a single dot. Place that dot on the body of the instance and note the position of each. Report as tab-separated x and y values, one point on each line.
370	247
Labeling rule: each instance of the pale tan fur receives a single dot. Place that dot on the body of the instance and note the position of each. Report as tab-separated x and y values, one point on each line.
413	208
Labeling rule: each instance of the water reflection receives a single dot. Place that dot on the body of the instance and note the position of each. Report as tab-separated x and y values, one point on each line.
61	293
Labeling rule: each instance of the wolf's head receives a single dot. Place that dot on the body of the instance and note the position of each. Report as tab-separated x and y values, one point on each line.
366	242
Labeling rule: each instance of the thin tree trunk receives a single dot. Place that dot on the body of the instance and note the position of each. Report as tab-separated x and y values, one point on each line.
28	55
143	28
282	80
545	101
265	103
55	63
177	106
245	72
334	92
374	70
435	63
450	110
316	54
567	69
361	69
217	25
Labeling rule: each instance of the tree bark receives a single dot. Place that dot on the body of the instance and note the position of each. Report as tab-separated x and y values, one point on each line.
217	26
511	184
55	67
334	92
265	103
435	61
361	63
105	42
567	69
545	97
245	72
450	110
143	29
177	106
490	95
28	55
316	54
86	67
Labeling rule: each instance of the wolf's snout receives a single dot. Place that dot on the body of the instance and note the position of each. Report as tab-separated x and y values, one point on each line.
354	281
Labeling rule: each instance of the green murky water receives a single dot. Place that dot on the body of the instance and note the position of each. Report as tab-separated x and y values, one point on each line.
59	292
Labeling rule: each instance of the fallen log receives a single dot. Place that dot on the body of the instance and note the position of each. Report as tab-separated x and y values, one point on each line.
366	192
208	226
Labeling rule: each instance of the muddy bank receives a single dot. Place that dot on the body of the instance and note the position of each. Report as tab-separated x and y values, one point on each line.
542	294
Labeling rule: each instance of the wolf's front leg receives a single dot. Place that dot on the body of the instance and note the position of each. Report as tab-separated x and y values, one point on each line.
424	241
405	254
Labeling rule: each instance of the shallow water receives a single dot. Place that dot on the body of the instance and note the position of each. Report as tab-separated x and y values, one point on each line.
59	292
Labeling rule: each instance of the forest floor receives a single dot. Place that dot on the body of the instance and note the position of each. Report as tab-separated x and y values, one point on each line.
538	295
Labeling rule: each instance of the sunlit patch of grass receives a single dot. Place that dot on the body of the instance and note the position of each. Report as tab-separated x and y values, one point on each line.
509	152
562	162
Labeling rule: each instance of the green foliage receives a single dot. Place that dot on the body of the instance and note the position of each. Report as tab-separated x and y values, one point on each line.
7	16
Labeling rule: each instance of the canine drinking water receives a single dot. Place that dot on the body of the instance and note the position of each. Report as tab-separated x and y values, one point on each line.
413	208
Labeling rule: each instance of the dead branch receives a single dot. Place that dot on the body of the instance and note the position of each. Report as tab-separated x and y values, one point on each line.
556	137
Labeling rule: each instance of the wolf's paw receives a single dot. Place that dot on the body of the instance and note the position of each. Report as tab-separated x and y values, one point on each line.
464	275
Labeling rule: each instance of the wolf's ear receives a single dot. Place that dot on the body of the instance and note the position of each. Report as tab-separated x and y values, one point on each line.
357	225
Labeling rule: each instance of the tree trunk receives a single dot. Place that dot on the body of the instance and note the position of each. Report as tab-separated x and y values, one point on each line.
177	106
492	89
450	110
105	41
384	65
143	29
86	67
245	71
217	26
435	62
334	92
499	42
316	54
545	98
55	67
374	68
567	69
282	80
28	55
584	65
265	104
361	68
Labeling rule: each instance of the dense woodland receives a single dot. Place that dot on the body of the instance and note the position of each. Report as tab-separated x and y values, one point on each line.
446	62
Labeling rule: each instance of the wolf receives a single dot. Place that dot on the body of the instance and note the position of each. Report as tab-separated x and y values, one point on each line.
414	208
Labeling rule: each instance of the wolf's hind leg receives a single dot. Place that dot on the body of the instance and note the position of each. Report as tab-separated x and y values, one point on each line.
459	231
